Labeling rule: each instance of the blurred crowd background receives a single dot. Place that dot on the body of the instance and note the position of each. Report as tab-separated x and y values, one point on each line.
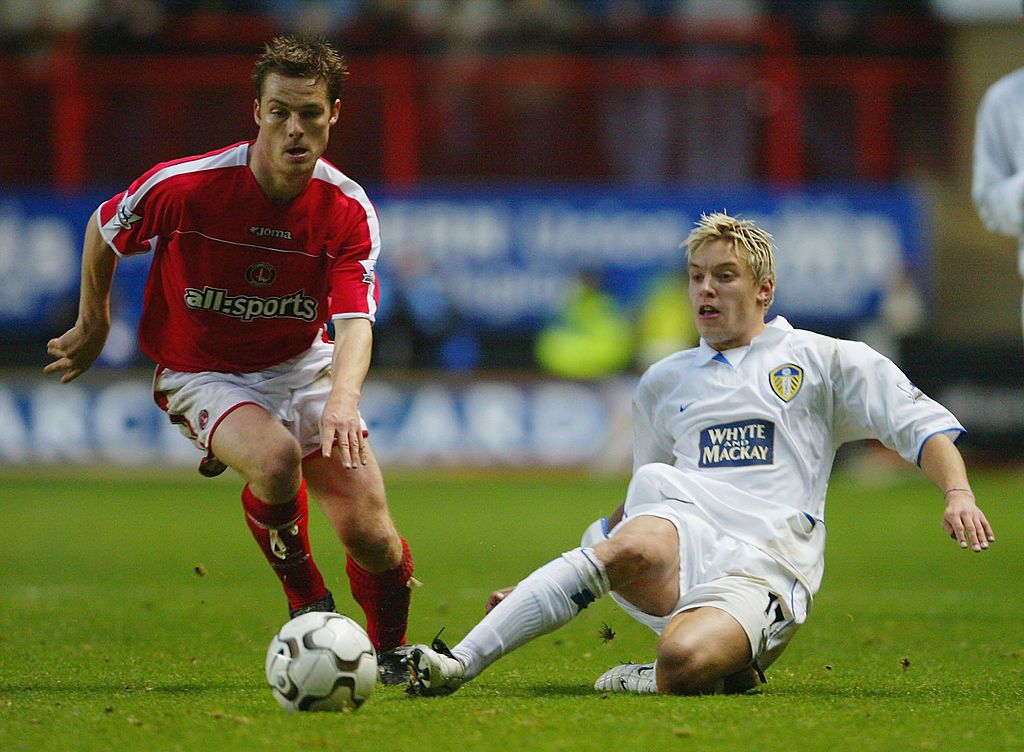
861	27
845	124
639	91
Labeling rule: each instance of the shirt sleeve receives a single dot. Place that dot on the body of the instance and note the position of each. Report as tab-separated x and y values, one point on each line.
131	221
354	292
874	399
998	186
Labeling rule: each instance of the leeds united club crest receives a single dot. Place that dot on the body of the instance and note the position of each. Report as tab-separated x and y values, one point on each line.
786	381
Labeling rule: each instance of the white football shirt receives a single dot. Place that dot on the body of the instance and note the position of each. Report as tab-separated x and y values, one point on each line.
755	431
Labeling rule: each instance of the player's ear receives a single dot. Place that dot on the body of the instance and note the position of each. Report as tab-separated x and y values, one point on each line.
765	291
256	111
335	111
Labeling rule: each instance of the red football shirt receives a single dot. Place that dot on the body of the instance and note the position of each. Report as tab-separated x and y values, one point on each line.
238	283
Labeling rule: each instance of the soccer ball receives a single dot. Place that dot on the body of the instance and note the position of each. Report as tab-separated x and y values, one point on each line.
321	661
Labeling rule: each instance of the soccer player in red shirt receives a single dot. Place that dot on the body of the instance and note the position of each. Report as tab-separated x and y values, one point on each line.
256	248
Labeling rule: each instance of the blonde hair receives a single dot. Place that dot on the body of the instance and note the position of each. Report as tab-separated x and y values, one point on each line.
750	243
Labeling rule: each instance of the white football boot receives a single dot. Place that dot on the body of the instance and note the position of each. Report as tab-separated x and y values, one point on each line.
637	678
434	670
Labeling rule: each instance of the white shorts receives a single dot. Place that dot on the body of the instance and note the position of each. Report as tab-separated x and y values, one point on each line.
719	571
294	392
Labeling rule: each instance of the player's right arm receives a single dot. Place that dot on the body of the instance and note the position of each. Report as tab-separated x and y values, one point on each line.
77	349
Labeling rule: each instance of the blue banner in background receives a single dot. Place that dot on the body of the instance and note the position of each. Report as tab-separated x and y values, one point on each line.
40	268
503	259
113	421
506	257
40	247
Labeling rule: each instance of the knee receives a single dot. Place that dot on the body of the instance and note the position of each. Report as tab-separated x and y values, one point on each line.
629	552
369	535
274	467
685	667
355	503
631	557
375	549
378	551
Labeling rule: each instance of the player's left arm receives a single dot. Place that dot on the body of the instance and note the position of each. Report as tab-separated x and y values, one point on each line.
942	462
340	423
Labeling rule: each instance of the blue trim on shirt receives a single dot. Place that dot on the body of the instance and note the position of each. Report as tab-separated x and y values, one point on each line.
722	359
959	435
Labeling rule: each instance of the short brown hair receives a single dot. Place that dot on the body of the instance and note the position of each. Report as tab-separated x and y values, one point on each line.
751	244
296	57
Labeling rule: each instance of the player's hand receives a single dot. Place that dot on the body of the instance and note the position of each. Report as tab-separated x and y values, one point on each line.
76	350
341	427
497	597
965	523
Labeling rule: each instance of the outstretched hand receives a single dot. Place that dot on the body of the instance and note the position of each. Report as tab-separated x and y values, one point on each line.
964	522
76	350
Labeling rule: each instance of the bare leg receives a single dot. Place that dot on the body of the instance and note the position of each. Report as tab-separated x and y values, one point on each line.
642	561
700	651
703	651
354	501
379	564
254	443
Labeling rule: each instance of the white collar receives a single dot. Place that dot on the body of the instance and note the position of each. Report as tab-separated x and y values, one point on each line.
774	330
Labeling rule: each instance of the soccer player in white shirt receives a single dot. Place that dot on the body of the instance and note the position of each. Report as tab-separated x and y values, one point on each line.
719	544
998	181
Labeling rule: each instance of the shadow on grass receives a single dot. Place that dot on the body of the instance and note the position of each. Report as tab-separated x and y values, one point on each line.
482	690
916	693
767	693
121	689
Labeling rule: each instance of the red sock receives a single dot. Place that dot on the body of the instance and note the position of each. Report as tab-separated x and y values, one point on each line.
384	598
282	532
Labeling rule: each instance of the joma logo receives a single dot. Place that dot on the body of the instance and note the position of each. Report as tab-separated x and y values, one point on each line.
267	232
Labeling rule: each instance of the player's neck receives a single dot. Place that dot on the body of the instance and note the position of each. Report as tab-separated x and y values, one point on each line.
279	189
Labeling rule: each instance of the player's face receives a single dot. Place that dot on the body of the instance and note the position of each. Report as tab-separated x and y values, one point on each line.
727	304
295	119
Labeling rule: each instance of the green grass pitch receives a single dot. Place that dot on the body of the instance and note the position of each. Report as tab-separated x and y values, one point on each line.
135	612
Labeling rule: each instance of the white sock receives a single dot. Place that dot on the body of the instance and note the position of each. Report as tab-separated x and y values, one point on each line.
543	602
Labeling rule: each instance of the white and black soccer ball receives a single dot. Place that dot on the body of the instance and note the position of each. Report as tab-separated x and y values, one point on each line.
321	661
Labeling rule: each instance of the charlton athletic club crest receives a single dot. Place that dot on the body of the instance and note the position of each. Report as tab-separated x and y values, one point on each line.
204	418
260	274
786	381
